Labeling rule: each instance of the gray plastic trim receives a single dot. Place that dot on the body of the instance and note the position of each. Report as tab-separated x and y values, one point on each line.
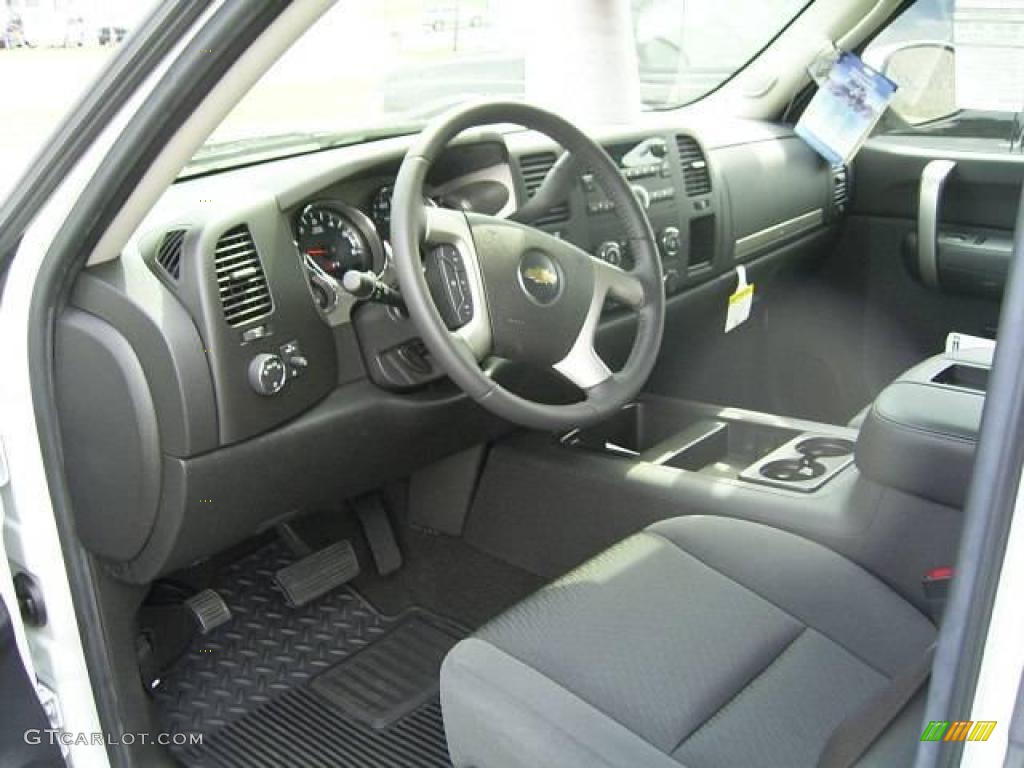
777	233
112	438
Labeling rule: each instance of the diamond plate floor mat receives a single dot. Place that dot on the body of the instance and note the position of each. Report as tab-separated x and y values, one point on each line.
393	676
329	683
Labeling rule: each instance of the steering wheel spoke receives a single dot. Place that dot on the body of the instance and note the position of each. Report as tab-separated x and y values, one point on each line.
459	278
582	365
619	284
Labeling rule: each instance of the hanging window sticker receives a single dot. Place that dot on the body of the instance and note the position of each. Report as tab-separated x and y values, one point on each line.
988	40
740	302
844	110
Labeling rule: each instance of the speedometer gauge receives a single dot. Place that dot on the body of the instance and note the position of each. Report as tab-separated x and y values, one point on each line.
331	240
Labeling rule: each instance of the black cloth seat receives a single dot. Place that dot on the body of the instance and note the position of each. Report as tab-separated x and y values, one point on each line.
703	641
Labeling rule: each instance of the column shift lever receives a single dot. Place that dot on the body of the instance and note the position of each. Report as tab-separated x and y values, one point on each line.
368	287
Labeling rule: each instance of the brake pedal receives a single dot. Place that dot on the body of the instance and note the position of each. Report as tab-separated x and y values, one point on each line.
209	610
318	573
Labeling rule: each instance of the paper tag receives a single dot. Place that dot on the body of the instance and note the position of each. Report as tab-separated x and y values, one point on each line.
844	109
740	302
970	349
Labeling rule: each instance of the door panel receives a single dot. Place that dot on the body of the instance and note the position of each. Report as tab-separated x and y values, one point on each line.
983	190
906	317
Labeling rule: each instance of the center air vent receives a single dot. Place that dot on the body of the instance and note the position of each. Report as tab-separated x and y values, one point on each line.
168	255
696	177
534	169
241	281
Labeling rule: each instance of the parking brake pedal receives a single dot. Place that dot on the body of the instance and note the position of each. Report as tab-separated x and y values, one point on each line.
209	610
318	573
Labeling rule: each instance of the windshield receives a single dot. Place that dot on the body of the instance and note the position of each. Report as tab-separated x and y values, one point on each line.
367	70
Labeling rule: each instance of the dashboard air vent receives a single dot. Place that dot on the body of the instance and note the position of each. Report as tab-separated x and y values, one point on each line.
840	188
535	168
241	281
696	177
168	255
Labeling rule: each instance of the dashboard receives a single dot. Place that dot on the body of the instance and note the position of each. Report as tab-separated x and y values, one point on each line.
222	344
347	226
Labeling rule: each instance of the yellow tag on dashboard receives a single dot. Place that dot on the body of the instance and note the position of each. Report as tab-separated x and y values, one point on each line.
740	302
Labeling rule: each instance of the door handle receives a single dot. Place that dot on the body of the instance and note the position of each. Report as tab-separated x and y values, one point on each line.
933	180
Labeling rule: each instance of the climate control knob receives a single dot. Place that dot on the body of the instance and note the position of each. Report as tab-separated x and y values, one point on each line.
669	240
267	374
611	252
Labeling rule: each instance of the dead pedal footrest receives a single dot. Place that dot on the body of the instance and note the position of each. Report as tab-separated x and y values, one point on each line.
318	573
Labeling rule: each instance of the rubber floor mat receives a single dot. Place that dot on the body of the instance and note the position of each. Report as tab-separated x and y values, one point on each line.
304	686
393	676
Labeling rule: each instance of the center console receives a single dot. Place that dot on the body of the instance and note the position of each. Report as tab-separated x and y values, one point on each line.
664	457
921	432
918	437
888	496
724	443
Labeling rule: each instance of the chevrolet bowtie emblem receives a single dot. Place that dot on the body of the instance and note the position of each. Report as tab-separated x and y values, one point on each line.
541	275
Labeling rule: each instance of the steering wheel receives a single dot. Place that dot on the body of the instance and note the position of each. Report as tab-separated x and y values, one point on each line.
524	294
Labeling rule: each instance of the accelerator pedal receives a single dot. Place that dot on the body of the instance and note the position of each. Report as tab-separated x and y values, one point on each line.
318	573
373	514
209	610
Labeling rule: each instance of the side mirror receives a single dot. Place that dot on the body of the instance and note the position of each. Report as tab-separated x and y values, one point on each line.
925	74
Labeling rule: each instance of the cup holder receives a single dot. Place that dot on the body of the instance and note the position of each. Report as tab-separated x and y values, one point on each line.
793	470
824	447
804	464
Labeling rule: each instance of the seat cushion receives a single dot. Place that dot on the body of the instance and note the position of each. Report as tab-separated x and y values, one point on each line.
704	641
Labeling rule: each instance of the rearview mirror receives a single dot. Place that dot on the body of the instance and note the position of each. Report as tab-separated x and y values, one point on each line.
926	78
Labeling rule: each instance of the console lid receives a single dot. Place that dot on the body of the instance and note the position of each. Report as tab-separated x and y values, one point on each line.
922	430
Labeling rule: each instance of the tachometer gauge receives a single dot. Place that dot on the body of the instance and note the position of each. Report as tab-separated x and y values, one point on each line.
331	240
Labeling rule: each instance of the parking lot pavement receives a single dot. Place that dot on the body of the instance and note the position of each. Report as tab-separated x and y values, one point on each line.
37	86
